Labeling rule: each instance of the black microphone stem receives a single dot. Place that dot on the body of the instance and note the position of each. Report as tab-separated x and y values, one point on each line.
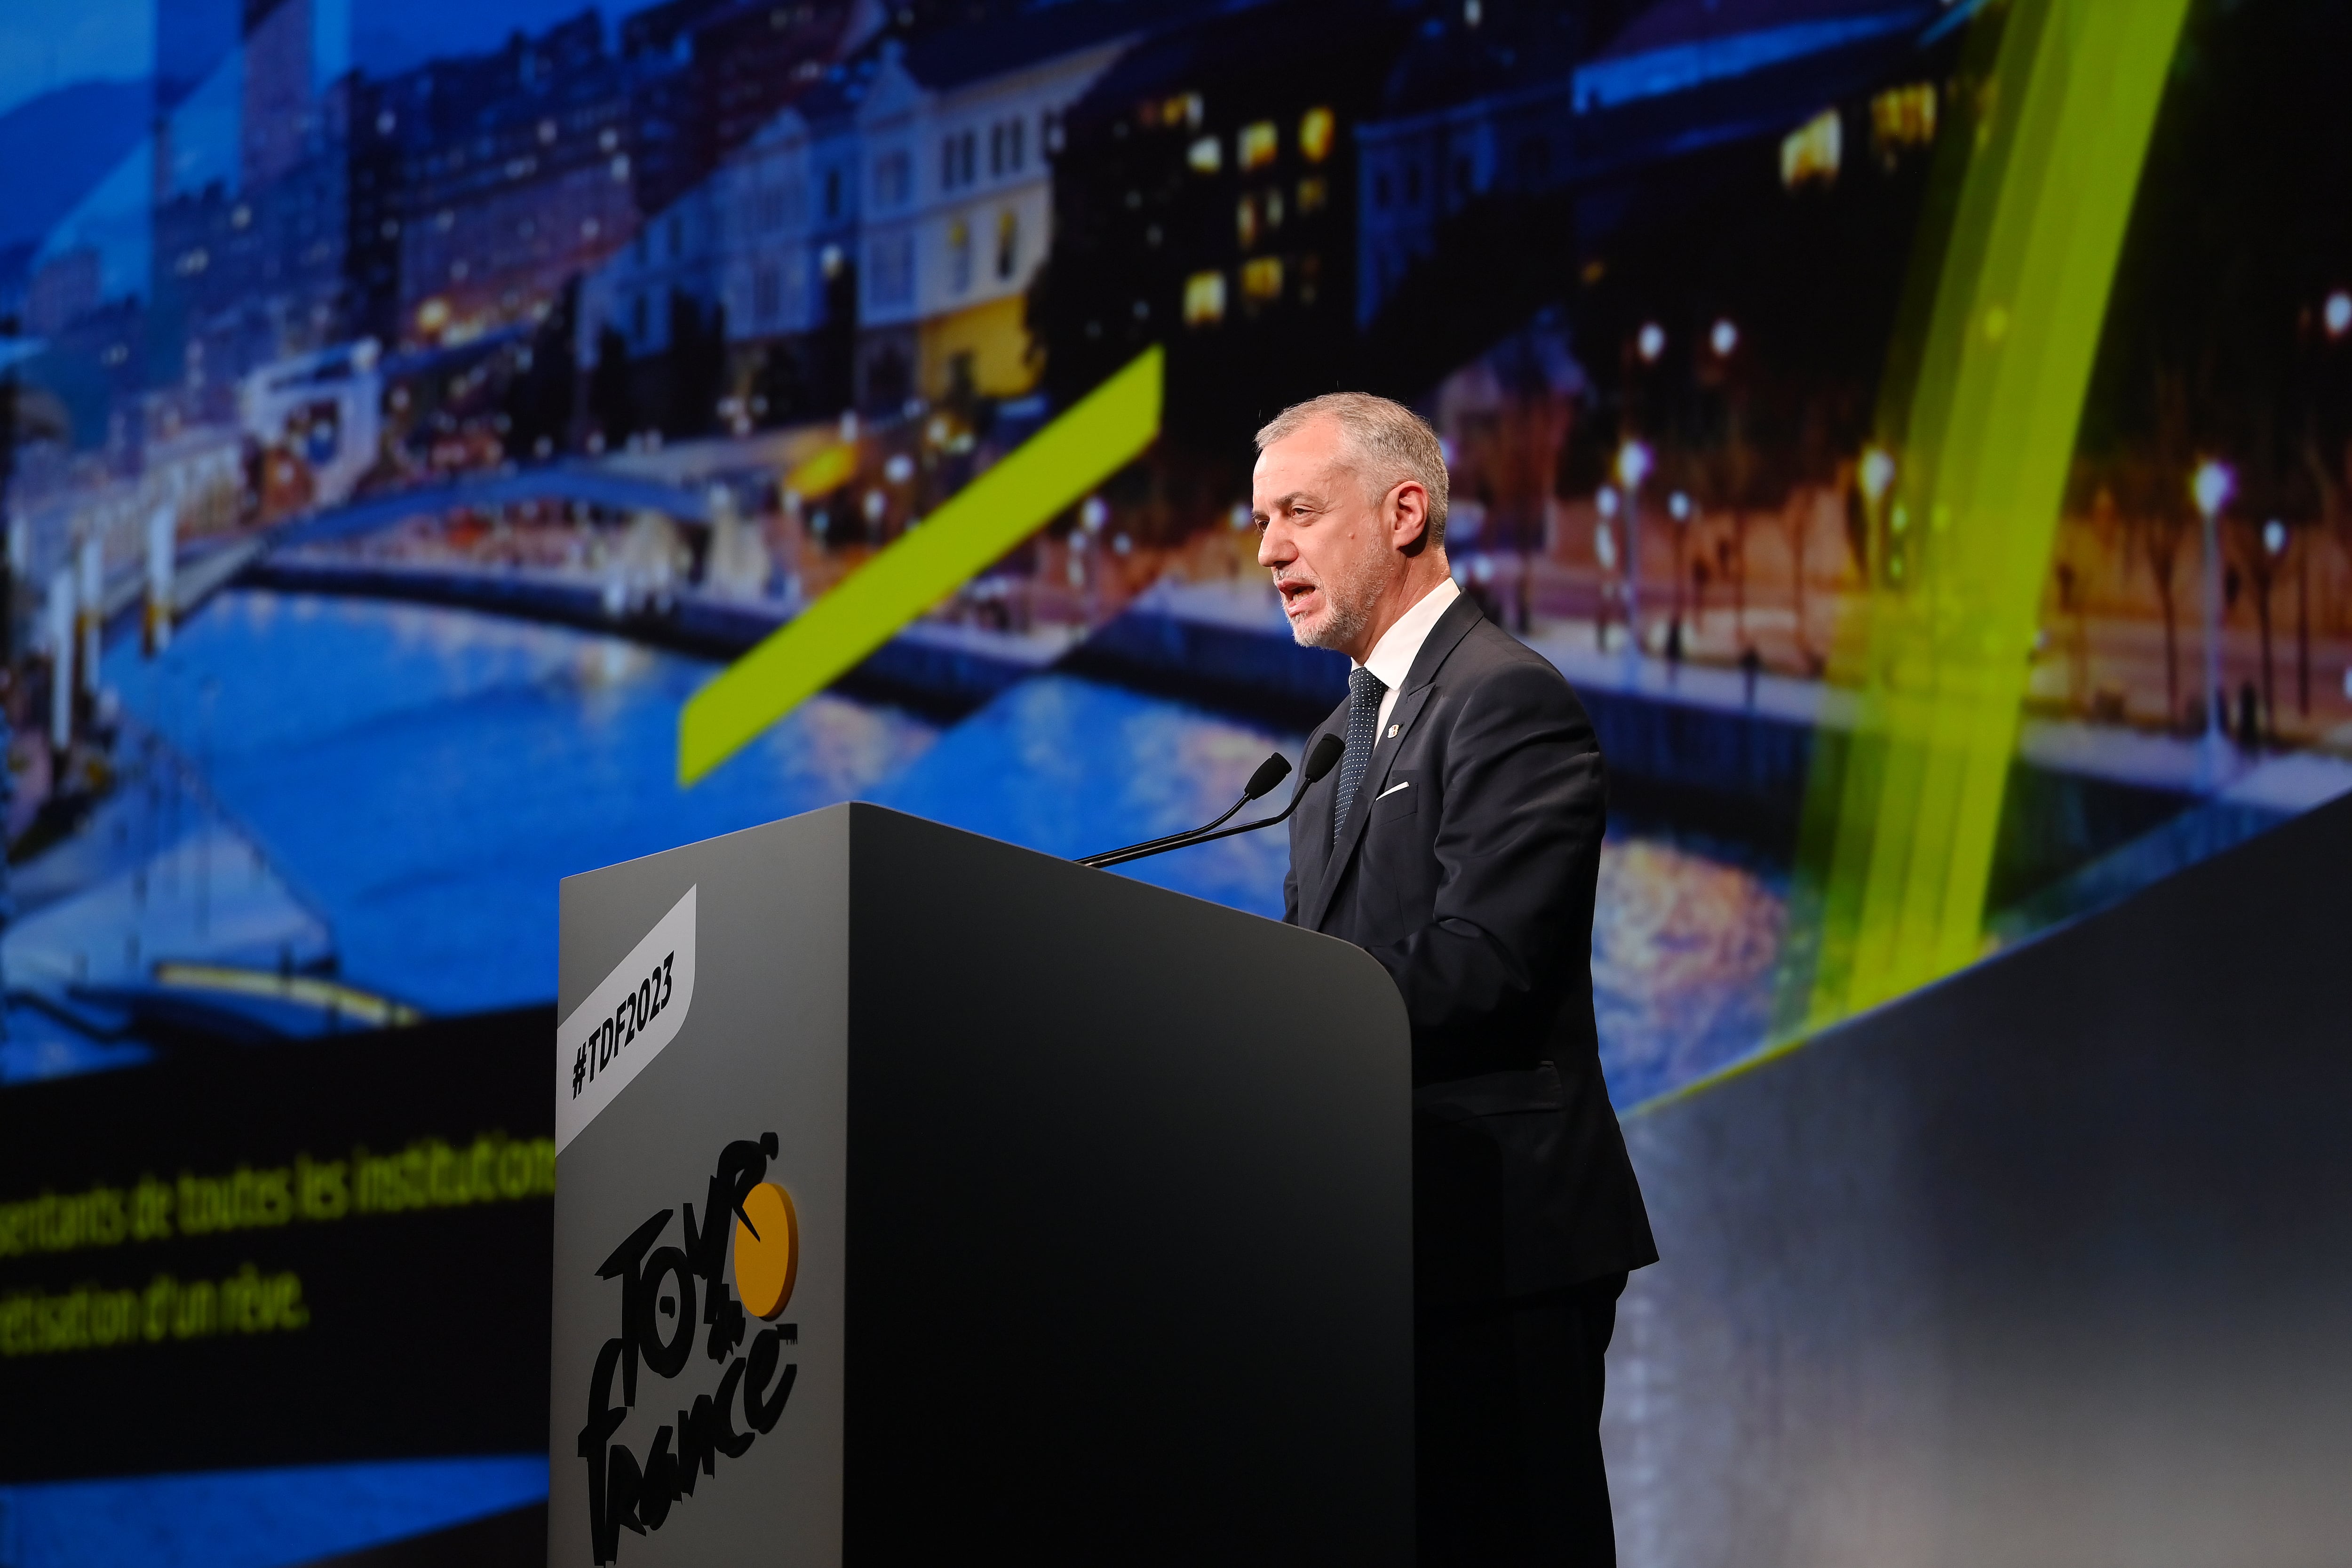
1112	857
1143	851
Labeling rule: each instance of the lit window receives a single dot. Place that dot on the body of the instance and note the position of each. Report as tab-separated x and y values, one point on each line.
1811	151
1008	243
1204	298
1316	129
1205	155
1313	194
1255	147
959	254
1262	277
1246	222
1904	117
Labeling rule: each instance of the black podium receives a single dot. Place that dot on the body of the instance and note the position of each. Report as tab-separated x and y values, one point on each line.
924	1199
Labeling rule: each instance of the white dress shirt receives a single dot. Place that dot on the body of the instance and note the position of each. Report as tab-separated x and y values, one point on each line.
1392	655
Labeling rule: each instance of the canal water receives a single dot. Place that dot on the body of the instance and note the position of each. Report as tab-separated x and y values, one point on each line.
421	778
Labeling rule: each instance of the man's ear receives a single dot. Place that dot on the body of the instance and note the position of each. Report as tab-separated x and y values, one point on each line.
1408	513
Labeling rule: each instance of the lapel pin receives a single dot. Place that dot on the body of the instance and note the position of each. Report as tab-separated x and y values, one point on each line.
1392	730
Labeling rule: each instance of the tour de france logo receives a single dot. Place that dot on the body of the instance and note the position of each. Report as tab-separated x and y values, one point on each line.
657	1297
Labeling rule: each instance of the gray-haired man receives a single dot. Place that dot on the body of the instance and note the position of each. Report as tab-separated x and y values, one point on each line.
1458	842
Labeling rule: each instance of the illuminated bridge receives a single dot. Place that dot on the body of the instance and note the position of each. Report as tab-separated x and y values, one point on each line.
572	482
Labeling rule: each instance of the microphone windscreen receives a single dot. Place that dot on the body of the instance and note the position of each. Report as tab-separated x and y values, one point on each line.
1324	757
1270	773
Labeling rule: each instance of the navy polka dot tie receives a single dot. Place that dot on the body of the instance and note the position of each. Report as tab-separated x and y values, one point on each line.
1365	691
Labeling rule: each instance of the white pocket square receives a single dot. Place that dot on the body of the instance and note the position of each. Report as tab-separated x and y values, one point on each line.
1401	783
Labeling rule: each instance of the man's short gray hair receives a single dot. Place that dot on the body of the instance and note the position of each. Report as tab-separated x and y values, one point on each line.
1386	443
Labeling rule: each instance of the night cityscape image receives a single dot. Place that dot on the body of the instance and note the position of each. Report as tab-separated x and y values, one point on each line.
446	448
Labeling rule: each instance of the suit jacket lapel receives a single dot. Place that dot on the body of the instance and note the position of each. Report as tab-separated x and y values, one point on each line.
1449	631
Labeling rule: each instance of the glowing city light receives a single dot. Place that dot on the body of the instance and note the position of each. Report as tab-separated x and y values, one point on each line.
1679	505
1094	515
1724	337
1633	465
2337	313
2212	486
1877	473
1605	503
1650	342
1604	547
2274	537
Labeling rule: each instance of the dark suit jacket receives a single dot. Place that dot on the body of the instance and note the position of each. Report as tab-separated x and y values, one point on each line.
1468	869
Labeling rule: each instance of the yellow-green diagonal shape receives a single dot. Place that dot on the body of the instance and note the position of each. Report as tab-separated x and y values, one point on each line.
1004	506
1980	411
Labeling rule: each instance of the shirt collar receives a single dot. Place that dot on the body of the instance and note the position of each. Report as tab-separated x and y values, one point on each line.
1393	655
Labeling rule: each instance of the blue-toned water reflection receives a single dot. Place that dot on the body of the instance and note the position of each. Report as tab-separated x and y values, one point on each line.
424	776
1071	766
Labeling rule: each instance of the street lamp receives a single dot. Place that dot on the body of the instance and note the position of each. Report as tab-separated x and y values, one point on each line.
1650	342
1878	477
1633	463
2210	488
1724	337
1877	473
2337	313
1604	550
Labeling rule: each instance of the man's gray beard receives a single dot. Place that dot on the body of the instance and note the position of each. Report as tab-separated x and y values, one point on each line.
1351	612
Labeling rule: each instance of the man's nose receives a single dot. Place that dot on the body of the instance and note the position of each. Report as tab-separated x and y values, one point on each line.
1274	547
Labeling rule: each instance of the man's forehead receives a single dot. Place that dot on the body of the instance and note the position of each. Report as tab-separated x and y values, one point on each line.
1293	468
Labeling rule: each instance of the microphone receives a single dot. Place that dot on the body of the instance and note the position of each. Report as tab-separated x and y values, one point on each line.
1320	760
1270	773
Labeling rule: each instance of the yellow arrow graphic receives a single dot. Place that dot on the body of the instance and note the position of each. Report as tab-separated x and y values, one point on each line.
988	517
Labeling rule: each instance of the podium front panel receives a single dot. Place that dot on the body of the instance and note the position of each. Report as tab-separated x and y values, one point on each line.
759	1048
1094	1199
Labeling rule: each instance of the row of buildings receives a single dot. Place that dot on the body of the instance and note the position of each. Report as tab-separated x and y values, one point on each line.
284	202
1249	183
823	203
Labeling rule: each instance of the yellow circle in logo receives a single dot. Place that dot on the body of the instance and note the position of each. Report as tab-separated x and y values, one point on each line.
765	1264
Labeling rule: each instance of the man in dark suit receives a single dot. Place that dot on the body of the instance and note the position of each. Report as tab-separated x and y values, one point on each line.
1458	843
